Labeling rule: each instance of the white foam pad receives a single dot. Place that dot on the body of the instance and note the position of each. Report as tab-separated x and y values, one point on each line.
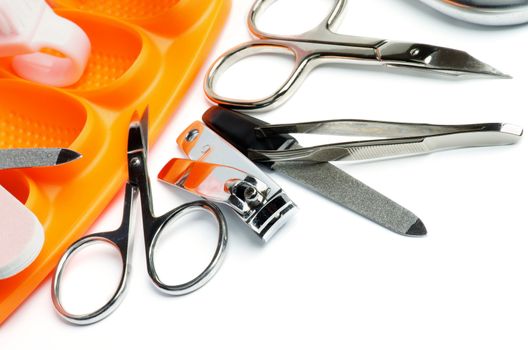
21	235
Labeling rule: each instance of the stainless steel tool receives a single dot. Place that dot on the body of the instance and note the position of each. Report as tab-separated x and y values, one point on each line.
272	146
323	178
137	191
321	45
390	139
220	173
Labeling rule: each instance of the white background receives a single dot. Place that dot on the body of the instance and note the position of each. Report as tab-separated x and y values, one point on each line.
331	279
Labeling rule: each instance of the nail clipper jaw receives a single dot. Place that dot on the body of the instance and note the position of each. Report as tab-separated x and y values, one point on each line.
263	211
271	215
246	195
262	206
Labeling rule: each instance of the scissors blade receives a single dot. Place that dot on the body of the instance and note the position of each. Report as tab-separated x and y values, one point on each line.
35	157
323	178
437	58
138	132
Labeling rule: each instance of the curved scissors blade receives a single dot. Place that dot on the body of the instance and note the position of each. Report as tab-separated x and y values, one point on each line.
437	58
138	132
137	163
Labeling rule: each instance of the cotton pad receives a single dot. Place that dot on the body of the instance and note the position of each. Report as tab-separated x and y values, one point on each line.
21	235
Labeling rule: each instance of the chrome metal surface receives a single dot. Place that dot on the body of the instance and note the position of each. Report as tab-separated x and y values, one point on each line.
485	12
122	240
237	178
392	139
138	190
321	45
323	178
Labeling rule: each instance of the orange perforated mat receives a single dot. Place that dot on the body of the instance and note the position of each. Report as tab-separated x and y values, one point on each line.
143	53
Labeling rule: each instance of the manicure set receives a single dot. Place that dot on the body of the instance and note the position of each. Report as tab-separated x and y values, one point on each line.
96	103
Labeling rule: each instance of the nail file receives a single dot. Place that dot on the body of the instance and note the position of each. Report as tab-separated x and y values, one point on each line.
14	158
21	235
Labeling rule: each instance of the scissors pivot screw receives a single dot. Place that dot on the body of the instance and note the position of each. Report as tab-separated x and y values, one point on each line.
135	161
415	52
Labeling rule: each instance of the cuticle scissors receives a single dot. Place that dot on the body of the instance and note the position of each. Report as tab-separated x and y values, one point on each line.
138	185
321	45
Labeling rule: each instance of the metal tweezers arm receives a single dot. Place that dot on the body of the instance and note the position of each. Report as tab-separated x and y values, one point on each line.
391	139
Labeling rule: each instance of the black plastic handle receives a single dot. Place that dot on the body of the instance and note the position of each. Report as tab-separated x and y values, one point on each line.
239	130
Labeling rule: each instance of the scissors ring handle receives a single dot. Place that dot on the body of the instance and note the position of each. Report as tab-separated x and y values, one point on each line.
322	30
112	303
163	223
302	66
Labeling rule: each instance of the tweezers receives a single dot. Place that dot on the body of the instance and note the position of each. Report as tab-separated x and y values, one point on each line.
391	139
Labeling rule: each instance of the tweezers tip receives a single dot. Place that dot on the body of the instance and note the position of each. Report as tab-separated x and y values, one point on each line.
417	229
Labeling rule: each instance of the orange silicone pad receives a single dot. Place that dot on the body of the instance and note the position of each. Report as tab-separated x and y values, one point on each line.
144	52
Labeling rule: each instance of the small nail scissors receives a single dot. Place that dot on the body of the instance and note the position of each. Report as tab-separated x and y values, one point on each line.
138	185
322	45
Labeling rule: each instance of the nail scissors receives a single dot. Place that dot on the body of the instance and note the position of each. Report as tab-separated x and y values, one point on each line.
138	191
322	45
